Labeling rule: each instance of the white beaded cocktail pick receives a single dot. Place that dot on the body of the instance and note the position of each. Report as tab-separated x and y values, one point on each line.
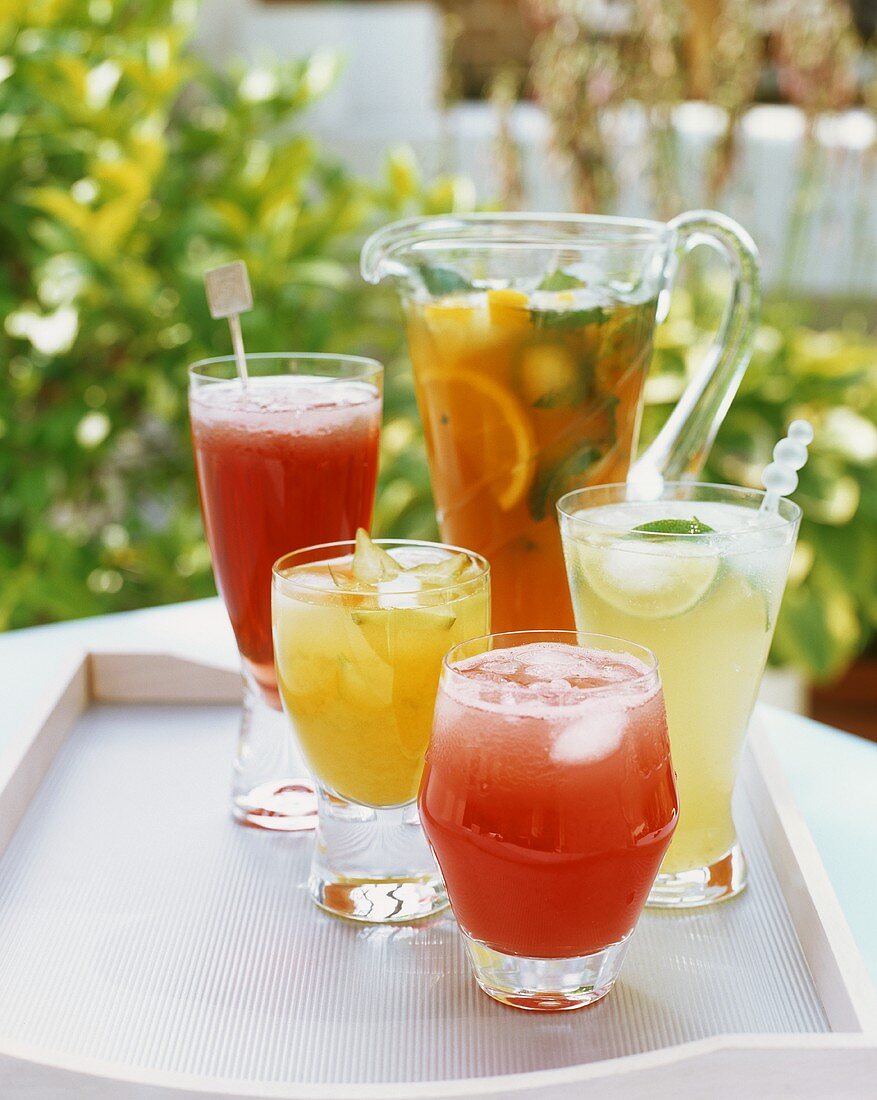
780	477
229	295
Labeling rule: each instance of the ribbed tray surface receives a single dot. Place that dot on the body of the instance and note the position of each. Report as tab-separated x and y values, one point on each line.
140	925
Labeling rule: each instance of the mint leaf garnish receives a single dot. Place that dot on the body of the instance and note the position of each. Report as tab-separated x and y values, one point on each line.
559	280
691	526
443	280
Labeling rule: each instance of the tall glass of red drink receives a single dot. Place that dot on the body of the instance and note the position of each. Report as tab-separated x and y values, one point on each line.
285	460
549	800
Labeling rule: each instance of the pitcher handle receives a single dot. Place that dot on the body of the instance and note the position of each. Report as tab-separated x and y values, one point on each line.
681	447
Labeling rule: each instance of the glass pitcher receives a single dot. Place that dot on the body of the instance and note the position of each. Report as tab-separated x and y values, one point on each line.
531	338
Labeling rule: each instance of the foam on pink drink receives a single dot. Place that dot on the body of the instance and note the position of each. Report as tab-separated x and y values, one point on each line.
525	679
299	405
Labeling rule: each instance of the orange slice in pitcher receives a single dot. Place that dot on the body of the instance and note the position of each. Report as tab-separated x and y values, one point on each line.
485	428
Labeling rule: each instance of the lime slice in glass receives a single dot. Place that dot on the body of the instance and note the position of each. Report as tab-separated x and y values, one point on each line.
651	580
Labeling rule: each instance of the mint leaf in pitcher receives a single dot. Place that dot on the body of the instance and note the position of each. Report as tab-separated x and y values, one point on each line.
560	280
550	484
567	318
562	398
443	280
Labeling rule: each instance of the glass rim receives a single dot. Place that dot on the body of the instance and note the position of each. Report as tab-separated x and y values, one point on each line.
630	227
635	649
371	368
439	233
563	507
362	590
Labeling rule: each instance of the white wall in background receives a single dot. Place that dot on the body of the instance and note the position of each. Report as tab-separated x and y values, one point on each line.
388	90
388	93
838	255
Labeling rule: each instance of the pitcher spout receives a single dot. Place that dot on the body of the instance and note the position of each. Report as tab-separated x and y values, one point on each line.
393	252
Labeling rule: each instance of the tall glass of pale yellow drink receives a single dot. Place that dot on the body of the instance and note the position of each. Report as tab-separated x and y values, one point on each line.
696	575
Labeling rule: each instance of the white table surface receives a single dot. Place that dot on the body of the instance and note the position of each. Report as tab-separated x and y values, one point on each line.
833	775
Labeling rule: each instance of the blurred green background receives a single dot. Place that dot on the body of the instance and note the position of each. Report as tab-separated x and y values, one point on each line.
128	167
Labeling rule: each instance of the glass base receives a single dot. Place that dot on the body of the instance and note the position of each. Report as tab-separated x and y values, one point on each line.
545	985
282	805
373	864
702	885
270	789
384	901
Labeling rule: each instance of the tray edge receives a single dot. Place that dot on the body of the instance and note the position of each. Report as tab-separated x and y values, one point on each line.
839	973
130	677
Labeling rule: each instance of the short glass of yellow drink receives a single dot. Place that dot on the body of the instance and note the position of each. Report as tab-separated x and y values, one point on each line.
696	575
360	630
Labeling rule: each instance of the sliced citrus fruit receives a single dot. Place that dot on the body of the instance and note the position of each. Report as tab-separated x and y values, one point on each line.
655	581
508	308
452	310
455	323
442	572
426	618
483	432
371	563
548	376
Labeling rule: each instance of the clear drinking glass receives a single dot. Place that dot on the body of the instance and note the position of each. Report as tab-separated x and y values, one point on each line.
707	605
548	798
283	461
531	337
358	665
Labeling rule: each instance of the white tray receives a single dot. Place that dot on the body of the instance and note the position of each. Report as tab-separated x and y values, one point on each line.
151	949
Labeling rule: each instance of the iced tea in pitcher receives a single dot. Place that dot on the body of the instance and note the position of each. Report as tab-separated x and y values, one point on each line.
524	396
530	337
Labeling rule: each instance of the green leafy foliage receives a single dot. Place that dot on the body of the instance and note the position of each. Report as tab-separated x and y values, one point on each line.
127	168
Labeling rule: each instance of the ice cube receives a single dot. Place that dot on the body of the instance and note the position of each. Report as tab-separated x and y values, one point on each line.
318	578
501	666
399	591
551	661
596	733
